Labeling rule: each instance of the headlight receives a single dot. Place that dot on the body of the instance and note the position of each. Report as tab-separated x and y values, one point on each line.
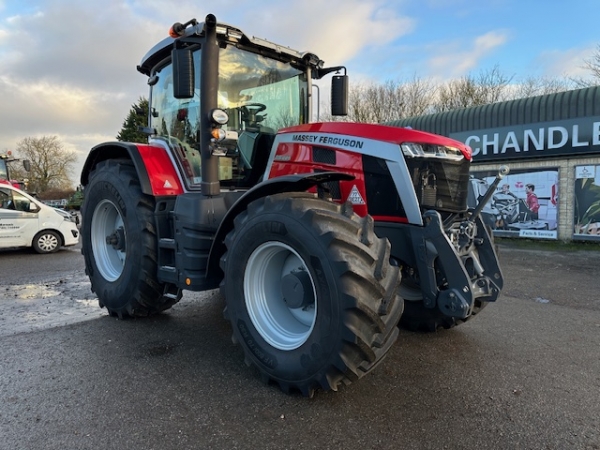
219	117
66	216
413	150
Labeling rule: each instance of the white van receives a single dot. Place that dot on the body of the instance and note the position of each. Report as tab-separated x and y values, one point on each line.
27	222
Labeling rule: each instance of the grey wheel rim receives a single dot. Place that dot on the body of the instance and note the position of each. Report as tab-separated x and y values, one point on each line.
280	326
109	257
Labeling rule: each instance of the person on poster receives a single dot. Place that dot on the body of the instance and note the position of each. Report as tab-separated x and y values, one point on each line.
554	194
532	201
506	190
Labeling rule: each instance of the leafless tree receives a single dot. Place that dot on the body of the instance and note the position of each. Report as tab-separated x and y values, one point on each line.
392	100
488	87
50	163
418	95
592	64
533	86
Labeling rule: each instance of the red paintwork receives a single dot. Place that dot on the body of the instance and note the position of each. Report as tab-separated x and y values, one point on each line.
381	133
4	158
296	158
390	219
160	170
12	183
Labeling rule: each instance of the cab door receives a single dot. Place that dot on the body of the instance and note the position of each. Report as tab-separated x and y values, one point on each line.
18	219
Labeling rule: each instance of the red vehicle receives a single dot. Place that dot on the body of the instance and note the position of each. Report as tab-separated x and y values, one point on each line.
5	178
322	237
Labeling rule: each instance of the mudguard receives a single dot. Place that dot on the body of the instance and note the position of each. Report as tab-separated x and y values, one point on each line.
155	170
289	183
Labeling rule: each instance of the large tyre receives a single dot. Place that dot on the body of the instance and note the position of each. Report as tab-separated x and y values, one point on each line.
309	292
119	243
47	241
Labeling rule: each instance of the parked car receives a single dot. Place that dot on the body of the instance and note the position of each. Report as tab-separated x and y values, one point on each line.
27	222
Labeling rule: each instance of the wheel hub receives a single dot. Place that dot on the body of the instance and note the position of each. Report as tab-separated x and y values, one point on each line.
117	239
297	290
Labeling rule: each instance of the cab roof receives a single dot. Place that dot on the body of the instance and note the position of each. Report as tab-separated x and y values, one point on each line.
228	33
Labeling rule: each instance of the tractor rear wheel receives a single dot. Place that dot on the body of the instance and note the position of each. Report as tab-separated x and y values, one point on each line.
119	242
309	291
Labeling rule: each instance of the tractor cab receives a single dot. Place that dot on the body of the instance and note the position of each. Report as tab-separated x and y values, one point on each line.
5	175
218	98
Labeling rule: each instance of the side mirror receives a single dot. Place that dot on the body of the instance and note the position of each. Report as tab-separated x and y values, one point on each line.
27	165
183	73
339	95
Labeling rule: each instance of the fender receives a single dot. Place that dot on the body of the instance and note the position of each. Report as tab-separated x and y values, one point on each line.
155	170
288	183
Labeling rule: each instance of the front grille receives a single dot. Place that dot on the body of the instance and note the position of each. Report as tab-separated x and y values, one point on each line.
440	184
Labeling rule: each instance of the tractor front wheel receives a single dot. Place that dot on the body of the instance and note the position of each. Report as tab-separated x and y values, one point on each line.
119	242
310	293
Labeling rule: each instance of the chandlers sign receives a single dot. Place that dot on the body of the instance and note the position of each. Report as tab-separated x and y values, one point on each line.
534	140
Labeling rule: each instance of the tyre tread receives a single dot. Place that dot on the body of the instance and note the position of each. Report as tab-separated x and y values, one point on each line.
362	260
149	298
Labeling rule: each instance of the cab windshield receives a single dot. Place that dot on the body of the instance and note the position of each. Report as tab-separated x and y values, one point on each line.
260	96
260	93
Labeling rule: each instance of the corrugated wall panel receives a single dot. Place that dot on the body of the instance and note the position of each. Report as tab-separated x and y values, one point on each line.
543	108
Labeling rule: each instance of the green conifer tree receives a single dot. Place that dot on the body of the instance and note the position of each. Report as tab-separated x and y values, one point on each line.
137	117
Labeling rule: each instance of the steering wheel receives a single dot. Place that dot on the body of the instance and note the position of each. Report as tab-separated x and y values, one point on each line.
250	114
254	107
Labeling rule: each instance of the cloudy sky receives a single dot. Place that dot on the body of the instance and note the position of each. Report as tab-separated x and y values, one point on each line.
67	67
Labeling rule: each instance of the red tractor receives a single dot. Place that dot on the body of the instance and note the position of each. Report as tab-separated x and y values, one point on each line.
322	237
5	178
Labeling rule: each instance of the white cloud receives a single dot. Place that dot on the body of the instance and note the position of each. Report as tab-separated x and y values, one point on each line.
566	63
457	58
336	30
72	73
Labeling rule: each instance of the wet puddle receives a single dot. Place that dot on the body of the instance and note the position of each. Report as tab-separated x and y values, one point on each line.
33	307
33	291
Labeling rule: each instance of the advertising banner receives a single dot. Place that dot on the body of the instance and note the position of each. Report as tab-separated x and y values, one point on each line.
559	138
525	203
587	202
